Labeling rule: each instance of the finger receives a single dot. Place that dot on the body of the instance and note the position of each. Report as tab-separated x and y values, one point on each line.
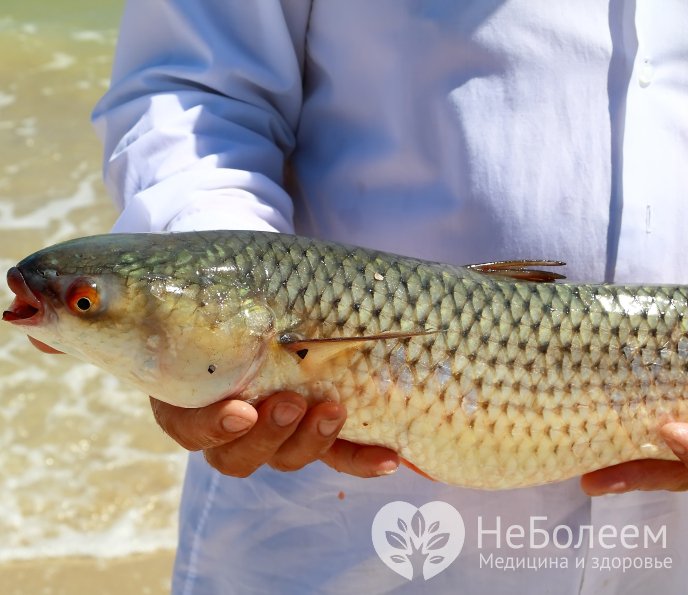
649	474
205	427
312	438
361	460
278	418
646	474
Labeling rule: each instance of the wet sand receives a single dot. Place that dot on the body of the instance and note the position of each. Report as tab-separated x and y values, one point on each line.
141	574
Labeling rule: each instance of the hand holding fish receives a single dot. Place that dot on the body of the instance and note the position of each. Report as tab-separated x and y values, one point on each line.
481	376
216	430
237	438
282	432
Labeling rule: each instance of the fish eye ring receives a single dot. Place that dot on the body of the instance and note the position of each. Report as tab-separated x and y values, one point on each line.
83	296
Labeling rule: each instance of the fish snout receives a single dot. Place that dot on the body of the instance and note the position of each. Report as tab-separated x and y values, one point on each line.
27	308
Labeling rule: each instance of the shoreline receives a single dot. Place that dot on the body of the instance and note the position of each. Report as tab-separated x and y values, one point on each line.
147	573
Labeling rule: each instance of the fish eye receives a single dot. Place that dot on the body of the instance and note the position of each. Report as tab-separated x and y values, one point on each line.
82	296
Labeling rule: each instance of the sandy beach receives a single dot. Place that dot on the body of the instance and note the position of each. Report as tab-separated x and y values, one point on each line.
90	486
147	574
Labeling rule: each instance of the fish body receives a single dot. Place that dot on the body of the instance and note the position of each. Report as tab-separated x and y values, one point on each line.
476	378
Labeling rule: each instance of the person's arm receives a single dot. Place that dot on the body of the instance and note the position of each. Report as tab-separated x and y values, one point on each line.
202	112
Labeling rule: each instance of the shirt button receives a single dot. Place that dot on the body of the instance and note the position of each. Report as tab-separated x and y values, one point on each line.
645	73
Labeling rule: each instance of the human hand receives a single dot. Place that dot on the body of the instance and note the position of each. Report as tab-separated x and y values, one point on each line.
646	475
237	439
282	432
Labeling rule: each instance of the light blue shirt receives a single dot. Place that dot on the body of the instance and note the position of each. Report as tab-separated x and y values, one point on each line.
455	131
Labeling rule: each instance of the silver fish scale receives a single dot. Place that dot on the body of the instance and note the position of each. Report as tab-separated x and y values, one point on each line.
515	383
518	383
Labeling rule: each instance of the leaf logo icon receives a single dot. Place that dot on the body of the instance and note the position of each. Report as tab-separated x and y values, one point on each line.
396	540
414	541
437	541
418	524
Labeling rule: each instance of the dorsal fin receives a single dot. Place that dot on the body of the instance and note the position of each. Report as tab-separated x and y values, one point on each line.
520	270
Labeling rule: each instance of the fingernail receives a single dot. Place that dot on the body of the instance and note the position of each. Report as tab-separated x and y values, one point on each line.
285	413
327	427
234	423
617	488
387	468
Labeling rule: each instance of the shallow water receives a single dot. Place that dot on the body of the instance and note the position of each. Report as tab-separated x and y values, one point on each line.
85	470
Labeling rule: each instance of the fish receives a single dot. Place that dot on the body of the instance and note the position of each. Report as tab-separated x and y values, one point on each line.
490	376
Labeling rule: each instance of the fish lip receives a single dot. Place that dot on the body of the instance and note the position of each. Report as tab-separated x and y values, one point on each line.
26	309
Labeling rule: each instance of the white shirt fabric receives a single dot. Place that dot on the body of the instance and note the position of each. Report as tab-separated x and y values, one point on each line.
451	130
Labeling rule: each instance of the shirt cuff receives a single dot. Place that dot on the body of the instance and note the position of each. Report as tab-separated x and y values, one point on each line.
181	203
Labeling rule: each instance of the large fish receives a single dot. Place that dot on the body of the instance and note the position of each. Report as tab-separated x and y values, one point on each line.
480	376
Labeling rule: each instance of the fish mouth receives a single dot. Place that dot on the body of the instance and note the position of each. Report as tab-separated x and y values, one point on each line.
26	309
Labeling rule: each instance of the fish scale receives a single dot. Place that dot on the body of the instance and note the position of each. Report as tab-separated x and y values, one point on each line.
541	403
477	379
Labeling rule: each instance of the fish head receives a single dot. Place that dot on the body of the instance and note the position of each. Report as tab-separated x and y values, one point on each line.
58	302
123	304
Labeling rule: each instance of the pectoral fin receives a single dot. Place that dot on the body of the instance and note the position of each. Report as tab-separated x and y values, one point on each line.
318	351
519	269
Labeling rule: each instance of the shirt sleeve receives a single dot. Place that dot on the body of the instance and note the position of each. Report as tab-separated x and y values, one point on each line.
202	111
